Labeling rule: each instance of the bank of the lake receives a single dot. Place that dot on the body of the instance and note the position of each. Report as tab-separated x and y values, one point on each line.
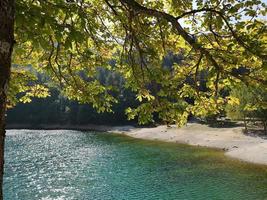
232	140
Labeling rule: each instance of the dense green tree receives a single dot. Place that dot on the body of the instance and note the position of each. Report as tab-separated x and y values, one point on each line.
57	110
250	104
215	37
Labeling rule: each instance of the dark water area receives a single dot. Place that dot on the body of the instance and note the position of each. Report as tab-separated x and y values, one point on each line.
64	165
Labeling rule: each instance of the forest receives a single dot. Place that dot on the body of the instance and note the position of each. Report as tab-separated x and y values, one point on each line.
56	109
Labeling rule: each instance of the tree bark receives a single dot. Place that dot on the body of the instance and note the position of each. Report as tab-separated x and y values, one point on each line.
7	13
245	123
265	127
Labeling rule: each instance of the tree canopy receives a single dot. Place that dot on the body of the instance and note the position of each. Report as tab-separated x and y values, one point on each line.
220	44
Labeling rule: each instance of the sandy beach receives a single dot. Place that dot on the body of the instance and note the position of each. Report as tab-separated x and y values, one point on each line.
235	144
231	140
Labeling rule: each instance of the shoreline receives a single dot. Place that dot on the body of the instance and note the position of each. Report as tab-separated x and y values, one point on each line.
232	141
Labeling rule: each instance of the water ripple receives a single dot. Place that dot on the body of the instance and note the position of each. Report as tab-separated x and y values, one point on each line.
77	165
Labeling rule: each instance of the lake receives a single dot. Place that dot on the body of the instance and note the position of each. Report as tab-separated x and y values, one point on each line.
65	165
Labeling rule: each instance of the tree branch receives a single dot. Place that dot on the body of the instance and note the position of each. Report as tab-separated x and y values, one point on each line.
177	26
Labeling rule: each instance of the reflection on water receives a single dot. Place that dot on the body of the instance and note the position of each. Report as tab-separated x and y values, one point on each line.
63	165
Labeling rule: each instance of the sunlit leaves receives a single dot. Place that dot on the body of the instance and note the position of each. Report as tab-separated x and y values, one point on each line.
70	41
249	102
24	86
38	91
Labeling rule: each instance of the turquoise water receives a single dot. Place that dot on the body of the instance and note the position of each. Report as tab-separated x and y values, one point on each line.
64	164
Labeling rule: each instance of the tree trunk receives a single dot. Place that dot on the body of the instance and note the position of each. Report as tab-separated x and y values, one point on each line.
265	126
245	123
7	13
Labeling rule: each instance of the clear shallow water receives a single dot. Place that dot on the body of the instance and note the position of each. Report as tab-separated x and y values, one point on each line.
67	165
